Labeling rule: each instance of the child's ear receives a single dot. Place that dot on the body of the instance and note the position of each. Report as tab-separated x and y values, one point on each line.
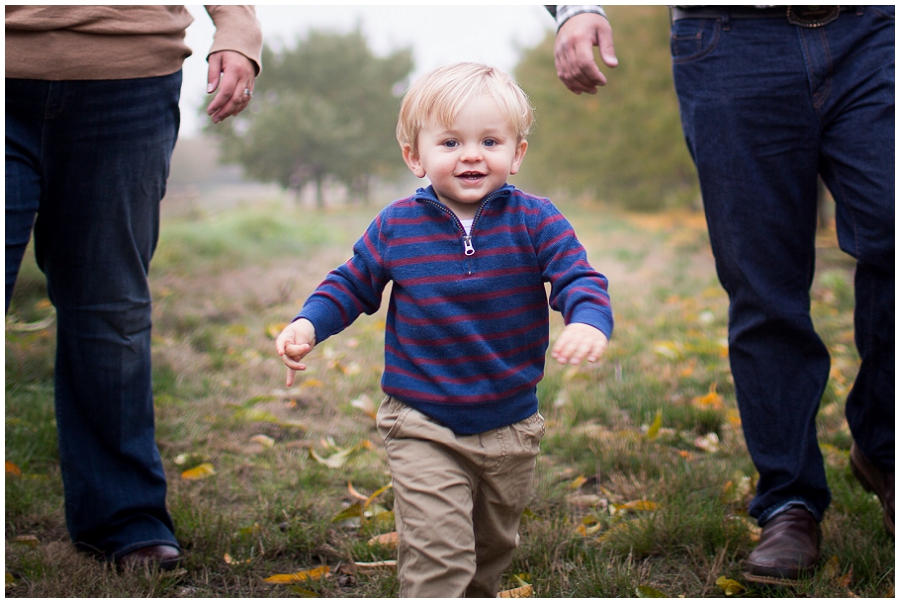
519	156
413	162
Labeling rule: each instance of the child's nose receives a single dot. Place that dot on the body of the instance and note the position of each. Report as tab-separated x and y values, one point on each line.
471	152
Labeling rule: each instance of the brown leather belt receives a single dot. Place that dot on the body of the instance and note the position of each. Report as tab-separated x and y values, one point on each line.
804	16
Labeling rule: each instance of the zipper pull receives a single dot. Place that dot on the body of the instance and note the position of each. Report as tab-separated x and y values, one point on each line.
467	245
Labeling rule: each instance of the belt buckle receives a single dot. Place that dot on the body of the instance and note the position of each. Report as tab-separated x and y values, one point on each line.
812	16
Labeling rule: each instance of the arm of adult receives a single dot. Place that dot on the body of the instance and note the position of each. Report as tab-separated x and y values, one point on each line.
234	59
576	37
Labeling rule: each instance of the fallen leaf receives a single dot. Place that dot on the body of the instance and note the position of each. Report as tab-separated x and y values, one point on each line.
10	580
231	561
577	482
388	540
371	567
647	592
13	469
731	587
708	442
637	505
653	430
275	329
523	592
339	458
590	525
264	440
709	400
27	539
201	471
303	592
316	573
354	493
311	383
365	404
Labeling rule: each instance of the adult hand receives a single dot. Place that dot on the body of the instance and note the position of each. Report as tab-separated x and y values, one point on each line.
578	342
230	73
574	52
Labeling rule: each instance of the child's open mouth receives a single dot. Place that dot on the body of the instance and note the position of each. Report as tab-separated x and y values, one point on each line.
471	176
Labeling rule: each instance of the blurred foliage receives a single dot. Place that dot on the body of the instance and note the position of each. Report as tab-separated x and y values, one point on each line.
624	144
326	108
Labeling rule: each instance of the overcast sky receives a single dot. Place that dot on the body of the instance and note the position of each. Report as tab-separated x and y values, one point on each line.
437	34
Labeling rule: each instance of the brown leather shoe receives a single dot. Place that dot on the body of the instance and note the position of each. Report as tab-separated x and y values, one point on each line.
164	556
788	546
875	480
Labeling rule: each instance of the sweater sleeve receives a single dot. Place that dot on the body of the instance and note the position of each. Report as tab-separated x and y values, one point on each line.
354	288
237	29
577	291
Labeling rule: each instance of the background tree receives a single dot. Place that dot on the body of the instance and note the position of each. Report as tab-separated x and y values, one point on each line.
624	144
326	108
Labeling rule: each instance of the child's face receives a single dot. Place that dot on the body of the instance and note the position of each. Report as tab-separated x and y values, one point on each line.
470	159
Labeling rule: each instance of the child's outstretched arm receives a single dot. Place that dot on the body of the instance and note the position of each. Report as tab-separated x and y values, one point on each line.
577	342
293	344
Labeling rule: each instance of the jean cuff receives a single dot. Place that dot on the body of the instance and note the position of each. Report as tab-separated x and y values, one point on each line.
774	510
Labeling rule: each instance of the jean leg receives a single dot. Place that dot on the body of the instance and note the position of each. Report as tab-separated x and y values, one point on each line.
747	117
858	167
106	160
23	178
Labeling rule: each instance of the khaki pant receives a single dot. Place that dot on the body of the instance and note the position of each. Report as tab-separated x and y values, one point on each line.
457	500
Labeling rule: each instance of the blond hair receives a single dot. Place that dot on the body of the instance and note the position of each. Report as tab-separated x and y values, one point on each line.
441	94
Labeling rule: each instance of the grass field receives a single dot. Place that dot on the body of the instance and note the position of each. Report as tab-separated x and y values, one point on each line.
643	479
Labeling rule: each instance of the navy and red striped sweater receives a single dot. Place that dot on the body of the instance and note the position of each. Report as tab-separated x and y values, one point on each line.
468	323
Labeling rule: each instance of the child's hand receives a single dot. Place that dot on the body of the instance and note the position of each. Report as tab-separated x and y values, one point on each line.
293	344
577	342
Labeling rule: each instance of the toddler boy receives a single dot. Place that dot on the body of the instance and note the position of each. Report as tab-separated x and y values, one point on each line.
467	327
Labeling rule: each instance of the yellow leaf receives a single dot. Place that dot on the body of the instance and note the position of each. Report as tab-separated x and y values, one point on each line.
653	431
201	471
10	579
647	592
523	592
275	329
354	493
589	525
311	383
303	592
322	571
667	349
28	539
710	400
231	561
380	490
263	439
577	482
388	540
637	505
731	587
13	469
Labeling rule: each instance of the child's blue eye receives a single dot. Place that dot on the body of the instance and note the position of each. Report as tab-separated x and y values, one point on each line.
490	142
450	144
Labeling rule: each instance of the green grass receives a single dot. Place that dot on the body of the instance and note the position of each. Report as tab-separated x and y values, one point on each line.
224	282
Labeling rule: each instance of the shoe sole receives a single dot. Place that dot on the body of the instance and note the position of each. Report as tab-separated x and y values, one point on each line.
867	486
770	580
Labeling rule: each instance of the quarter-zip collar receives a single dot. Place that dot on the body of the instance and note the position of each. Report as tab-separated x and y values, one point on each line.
428	195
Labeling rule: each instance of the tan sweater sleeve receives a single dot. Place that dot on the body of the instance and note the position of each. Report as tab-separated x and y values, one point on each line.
237	29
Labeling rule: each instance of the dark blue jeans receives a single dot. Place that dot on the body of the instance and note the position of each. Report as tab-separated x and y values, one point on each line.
89	160
767	106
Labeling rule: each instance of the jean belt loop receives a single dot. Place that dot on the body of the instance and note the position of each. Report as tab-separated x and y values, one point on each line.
726	19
